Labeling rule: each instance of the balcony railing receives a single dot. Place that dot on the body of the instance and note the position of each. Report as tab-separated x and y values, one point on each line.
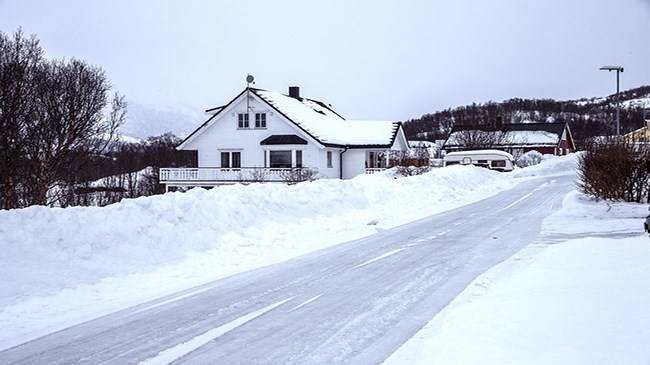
242	174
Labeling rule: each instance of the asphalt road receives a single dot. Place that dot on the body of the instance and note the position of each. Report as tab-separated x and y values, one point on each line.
352	303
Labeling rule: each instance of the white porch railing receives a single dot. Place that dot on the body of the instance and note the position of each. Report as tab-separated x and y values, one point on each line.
243	174
370	171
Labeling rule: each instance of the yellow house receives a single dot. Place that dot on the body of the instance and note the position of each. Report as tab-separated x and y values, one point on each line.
640	135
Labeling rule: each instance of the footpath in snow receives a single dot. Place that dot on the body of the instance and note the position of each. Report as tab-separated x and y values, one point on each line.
580	295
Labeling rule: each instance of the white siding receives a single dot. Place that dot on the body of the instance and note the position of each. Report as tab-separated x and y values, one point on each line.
354	163
223	135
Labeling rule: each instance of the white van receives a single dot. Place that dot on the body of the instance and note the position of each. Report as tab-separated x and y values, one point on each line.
491	159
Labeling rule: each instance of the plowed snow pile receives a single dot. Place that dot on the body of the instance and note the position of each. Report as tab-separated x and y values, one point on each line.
62	266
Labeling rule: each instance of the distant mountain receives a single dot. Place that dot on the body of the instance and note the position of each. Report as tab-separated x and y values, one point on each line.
144	121
587	117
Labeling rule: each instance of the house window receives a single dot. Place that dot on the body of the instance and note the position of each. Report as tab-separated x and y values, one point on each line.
236	159
329	159
225	159
230	159
298	158
280	159
376	160
242	120
260	120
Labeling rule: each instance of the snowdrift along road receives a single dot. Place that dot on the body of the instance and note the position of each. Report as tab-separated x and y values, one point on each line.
43	250
66	266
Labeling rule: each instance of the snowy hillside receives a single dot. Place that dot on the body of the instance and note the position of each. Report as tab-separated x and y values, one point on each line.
144	121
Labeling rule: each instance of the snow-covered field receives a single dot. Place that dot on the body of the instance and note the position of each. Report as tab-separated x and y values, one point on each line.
580	295
65	266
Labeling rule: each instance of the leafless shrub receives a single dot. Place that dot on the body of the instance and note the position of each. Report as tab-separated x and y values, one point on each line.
412	170
616	170
418	158
255	175
298	174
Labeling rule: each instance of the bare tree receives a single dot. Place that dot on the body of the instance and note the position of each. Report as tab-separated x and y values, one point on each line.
70	124
52	120
19	59
476	139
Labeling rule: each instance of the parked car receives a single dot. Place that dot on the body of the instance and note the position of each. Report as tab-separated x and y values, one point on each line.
646	224
491	159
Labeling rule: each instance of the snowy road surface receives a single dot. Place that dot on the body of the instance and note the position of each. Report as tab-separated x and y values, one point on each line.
352	303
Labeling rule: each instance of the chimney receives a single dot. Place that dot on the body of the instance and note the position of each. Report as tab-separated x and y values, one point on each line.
294	92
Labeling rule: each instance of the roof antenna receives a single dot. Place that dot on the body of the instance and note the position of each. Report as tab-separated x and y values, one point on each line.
249	80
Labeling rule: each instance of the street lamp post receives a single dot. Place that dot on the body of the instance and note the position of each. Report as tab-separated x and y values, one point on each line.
618	70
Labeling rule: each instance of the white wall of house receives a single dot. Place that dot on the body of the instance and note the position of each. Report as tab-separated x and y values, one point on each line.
354	163
401	143
224	135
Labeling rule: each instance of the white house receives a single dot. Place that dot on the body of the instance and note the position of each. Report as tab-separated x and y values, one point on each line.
263	135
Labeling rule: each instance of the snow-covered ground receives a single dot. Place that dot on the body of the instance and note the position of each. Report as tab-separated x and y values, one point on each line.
65	266
580	295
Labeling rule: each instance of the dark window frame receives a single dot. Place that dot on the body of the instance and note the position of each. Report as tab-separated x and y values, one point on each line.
330	160
498	163
243	121
260	120
235	162
274	154
298	158
225	160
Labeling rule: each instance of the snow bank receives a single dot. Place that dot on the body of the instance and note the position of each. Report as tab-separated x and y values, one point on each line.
62	266
87	243
582	300
550	165
529	158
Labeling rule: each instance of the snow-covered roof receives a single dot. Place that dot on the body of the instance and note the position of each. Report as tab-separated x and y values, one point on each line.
480	152
528	135
327	126
422	144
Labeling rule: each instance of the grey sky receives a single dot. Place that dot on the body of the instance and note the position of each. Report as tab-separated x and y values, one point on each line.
370	59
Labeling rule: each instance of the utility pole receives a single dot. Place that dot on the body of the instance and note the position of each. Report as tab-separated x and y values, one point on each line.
618	70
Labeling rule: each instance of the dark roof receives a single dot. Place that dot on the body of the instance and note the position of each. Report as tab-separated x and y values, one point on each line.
216	108
283	139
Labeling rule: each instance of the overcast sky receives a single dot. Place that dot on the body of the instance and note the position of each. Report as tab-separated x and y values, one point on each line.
370	59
